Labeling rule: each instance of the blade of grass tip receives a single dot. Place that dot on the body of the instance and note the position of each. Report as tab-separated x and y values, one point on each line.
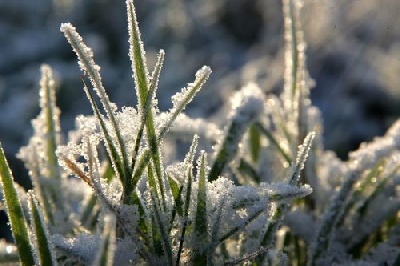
105	255
46	254
184	97
51	116
15	213
248	104
186	203
87	64
176	190
201	222
301	158
140	75
148	106
291	50
273	141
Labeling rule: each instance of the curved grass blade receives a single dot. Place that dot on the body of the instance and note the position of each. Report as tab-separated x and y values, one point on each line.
45	254
15	213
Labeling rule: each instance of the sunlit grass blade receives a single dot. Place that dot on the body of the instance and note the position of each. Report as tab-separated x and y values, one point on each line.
201	221
107	247
141	76
51	114
187	197
273	141
45	254
115	158
148	105
87	64
302	155
15	213
183	98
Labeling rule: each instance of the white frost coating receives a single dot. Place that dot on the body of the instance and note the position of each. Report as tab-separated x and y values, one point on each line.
87	64
184	97
83	248
248	102
369	153
283	191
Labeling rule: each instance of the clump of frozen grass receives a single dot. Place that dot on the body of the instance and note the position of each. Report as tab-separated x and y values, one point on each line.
271	196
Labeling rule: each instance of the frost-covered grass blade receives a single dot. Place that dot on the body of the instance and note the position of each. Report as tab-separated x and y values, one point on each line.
15	213
45	249
105	254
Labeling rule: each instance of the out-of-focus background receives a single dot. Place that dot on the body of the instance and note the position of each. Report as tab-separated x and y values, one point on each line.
353	55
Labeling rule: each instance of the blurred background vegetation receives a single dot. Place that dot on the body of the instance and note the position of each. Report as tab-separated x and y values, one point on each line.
353	54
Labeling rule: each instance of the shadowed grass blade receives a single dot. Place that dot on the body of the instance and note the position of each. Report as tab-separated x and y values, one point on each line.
15	213
45	254
201	222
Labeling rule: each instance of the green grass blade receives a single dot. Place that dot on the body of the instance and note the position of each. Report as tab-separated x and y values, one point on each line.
187	199
301	158
148	105
105	255
87	64
201	222
116	160
254	143
15	213
45	254
51	114
140	74
176	190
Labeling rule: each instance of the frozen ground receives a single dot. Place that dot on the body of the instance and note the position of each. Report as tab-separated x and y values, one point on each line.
353	55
